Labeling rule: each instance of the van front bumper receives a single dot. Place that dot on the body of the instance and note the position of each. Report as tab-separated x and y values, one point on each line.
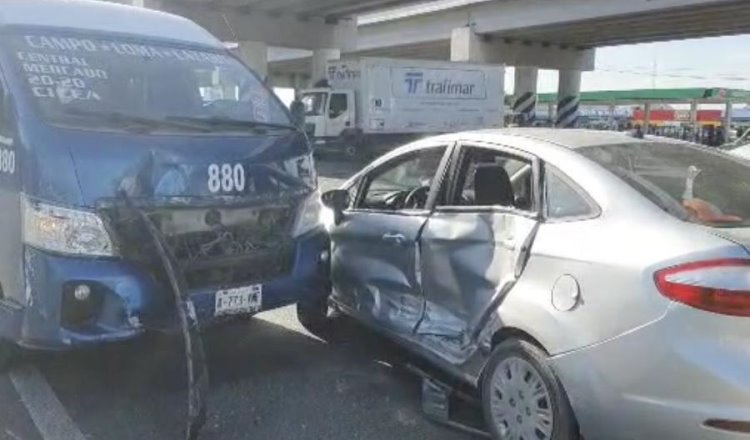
126	301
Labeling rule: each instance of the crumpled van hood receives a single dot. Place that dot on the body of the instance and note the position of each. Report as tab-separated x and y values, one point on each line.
159	167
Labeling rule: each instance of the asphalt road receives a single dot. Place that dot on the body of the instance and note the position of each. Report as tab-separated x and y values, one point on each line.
270	379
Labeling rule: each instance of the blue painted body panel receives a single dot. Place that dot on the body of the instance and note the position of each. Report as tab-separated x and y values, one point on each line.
87	169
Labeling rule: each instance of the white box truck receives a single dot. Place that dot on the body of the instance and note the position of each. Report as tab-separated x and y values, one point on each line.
372	104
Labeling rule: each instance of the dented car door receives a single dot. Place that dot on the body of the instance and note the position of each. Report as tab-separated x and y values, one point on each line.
475	244
374	248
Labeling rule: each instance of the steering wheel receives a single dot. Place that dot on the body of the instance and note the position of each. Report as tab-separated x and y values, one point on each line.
394	199
417	197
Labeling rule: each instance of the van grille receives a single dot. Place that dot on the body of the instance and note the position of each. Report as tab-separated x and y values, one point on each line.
246	252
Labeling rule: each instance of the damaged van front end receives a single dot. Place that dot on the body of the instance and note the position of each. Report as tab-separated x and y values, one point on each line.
226	180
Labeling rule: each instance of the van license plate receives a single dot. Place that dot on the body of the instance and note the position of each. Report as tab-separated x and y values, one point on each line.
239	300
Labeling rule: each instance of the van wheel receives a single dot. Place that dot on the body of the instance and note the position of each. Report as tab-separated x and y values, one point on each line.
8	353
522	398
316	316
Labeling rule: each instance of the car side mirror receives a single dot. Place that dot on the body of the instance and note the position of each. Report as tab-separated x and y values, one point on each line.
336	200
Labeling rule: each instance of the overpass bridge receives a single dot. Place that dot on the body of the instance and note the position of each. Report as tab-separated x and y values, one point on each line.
528	34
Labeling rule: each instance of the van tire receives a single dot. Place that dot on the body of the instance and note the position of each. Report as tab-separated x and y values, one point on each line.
535	366
315	316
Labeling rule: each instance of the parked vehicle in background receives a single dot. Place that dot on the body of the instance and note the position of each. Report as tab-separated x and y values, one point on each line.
589	284
106	106
374	104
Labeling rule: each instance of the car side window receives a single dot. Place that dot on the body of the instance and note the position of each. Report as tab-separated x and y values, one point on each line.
488	177
564	199
402	183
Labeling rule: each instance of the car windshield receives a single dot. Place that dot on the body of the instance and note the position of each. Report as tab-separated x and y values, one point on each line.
314	103
91	82
693	183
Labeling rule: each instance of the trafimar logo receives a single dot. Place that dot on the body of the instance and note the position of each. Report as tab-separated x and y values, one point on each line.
416	83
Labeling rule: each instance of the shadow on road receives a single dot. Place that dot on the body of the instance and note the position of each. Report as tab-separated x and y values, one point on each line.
267	382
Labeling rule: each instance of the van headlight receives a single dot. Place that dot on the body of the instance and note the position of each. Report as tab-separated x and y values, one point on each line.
303	168
64	230
308	215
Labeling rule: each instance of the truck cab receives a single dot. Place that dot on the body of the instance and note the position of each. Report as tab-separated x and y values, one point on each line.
329	114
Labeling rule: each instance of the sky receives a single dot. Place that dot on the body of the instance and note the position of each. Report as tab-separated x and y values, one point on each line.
707	62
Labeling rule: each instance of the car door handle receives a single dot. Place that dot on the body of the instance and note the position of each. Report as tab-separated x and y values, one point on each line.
394	238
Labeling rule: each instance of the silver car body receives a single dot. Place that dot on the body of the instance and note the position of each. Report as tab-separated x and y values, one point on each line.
450	282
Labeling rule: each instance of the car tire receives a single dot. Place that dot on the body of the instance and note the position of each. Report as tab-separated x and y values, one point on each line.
516	367
315	316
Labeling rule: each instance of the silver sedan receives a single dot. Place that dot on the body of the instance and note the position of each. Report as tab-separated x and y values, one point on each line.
589	284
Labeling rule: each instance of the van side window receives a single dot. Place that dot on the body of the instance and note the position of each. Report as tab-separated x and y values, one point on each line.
338	105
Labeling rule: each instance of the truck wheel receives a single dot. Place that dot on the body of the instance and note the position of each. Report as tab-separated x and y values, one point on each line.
350	151
316	316
523	398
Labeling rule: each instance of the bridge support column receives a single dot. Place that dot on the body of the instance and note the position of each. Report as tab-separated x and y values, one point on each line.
151	4
727	121
525	95
255	55
320	59
568	99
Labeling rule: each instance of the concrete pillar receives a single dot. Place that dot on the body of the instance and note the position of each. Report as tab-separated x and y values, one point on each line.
727	120
525	96
694	120
568	98
647	118
551	114
151	4
466	46
255	55
320	59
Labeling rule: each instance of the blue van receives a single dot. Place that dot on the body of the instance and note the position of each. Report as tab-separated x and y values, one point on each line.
108	107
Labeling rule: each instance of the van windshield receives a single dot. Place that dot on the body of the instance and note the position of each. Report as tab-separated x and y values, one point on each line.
102	82
693	183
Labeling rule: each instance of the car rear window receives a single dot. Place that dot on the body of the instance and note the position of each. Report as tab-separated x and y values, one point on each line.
693	183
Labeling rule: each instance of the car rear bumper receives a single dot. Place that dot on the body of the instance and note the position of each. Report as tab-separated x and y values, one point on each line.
666	379
128	301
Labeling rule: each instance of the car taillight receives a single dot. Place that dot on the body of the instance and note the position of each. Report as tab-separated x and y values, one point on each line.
719	286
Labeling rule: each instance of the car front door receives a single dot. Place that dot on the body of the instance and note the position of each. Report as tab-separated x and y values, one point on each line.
476	242
374	258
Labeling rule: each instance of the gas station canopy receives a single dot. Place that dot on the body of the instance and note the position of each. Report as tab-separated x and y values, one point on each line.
673	96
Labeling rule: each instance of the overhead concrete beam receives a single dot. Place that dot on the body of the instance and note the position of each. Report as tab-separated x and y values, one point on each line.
525	20
468	45
274	30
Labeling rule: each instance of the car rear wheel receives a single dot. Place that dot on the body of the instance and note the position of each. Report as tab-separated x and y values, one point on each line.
316	316
522	398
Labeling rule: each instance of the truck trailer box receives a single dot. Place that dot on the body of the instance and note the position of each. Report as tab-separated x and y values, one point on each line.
418	96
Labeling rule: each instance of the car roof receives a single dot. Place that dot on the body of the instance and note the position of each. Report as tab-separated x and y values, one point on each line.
99	16
569	138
